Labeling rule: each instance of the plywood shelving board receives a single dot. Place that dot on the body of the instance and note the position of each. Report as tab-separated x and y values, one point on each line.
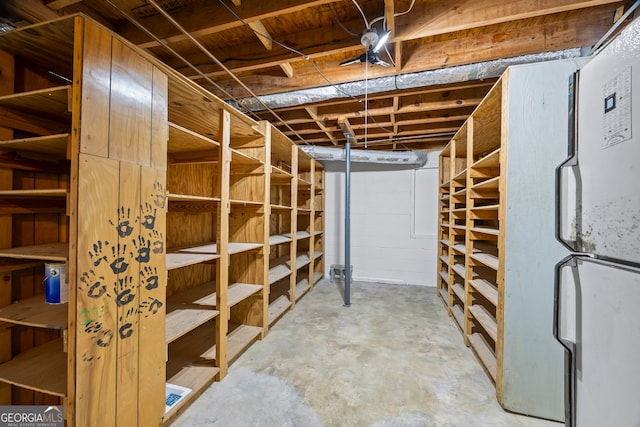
181	319
48	252
51	145
241	291
42	368
36	312
484	352
240	338
488	290
184	257
278	307
485	319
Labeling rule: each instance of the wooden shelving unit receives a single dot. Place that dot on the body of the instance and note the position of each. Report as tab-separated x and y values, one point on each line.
496	280
185	226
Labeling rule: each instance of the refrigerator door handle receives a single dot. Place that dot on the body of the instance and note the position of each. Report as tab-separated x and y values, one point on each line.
570	164
559	331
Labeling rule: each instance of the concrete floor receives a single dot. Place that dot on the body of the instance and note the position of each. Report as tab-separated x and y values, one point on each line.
394	358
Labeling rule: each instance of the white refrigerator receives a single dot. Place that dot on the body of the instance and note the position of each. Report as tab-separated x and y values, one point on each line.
597	295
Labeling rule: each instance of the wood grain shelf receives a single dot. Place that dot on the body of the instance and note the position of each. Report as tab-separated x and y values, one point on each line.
51	145
245	203
190	203
278	239
302	287
48	252
445	242
486	230
35	312
459	270
303	184
317	276
460	176
458	314
491	160
177	258
240	291
278	307
51	102
444	296
459	227
189	198
444	259
183	140
239	247
445	184
12	264
317	254
458	290
42	368
318	232
281	208
488	184
240	158
197	377
459	248
50	193
278	173
183	318
486	320
279	271
300	235
444	276
488	290
459	193
302	260
240	338
484	352
489	260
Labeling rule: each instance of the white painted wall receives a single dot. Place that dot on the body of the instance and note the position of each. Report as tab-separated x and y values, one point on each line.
393	222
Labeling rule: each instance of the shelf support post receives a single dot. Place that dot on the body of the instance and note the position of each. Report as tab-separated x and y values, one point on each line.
347	227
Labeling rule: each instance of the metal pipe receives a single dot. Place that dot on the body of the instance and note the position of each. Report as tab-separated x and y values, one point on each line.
347	227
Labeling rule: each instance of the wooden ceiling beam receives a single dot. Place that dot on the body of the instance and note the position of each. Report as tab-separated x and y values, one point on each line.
202	18
562	31
441	17
33	11
59	4
313	113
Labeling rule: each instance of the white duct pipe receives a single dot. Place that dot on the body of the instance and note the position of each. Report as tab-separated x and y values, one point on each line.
416	158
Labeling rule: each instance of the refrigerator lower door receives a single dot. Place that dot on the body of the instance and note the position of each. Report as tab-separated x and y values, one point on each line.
597	307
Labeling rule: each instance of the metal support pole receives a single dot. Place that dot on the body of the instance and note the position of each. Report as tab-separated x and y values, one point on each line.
347	227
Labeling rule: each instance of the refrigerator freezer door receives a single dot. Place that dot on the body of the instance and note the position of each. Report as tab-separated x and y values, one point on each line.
607	219
597	304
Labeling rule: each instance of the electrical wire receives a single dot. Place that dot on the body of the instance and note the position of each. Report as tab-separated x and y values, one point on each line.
361	13
413	2
306	57
335	18
220	64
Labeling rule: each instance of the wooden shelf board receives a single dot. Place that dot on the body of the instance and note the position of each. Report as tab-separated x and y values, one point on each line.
488	290
177	258
184	318
486	320
188	198
458	289
444	242
278	307
278	239
460	176
238	247
302	260
445	184
484	352
486	208
240	338
48	252
50	101
486	259
50	193
303	183
491	183
318	232
245	203
281	207
491	160
444	276
460	248
279	271
9	264
458	193
240	291
184	140
197	378
444	259
317	254
459	269
302	287
52	145
486	230
42	368
36	312
459	227
458	314
240	158
444	294
317	276
280	173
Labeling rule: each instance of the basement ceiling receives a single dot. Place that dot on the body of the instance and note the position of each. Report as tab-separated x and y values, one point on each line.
274	47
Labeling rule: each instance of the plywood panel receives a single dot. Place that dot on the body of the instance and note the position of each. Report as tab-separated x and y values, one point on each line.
96	83
130	110
153	283
159	120
134	252
99	261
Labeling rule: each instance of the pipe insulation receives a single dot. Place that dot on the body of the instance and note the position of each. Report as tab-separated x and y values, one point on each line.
477	71
414	158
